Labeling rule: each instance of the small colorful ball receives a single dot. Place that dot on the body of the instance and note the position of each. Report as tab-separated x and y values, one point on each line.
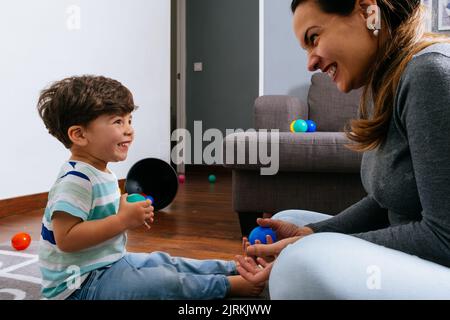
212	178
181	178
312	126
21	241
260	233
136	197
300	126
146	197
292	126
150	198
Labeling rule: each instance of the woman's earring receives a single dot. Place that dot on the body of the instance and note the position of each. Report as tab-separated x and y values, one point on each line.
376	31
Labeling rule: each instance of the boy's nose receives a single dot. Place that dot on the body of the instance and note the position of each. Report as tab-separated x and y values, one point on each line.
129	131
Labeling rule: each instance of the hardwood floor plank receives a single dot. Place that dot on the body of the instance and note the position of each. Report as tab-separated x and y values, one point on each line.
200	223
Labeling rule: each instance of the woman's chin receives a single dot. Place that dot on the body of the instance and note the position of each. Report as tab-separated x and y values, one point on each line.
344	86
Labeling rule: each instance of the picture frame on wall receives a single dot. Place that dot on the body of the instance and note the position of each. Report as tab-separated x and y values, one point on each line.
428	4
444	15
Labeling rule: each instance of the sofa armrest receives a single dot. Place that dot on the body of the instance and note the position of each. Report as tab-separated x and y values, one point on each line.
292	152
277	112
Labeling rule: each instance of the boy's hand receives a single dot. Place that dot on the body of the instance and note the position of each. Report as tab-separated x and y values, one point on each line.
253	271
133	215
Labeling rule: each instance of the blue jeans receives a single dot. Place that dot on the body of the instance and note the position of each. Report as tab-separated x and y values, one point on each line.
157	276
339	266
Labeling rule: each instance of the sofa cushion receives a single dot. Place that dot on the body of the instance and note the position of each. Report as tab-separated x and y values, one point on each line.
301	152
328	107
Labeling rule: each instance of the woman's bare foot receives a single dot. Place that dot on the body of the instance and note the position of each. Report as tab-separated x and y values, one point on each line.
243	288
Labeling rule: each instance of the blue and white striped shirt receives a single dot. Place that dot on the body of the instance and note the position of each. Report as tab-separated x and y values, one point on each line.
85	192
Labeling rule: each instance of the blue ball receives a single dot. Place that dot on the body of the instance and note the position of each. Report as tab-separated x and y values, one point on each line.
312	127
259	233
150	198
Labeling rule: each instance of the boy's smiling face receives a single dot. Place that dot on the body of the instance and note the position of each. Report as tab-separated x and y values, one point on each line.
105	139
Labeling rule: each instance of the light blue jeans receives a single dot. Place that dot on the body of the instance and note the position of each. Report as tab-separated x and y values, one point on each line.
156	276
338	266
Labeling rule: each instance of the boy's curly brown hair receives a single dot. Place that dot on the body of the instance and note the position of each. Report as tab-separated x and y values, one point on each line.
80	100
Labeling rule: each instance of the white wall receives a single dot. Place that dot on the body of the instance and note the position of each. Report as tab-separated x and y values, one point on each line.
128	40
284	62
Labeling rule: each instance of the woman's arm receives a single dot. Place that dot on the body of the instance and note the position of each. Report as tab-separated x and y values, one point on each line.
363	216
424	110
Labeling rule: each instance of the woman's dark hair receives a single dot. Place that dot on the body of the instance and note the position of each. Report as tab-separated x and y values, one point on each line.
402	31
341	7
80	100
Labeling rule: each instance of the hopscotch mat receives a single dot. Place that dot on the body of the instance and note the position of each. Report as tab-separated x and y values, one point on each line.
20	278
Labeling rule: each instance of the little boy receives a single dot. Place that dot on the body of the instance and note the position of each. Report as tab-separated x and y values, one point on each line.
82	251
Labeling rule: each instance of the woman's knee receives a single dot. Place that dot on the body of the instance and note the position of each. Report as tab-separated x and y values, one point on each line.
300	217
304	269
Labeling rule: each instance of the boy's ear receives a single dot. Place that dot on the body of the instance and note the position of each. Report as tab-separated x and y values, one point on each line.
77	136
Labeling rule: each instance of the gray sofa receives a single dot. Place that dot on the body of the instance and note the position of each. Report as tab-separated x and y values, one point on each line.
316	171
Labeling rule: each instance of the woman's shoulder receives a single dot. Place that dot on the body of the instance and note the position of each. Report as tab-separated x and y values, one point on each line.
425	83
442	48
429	67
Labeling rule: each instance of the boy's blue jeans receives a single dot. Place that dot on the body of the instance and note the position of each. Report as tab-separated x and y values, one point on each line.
339	266
157	276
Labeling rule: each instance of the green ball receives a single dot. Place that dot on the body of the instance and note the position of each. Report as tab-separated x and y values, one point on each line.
300	126
212	178
135	197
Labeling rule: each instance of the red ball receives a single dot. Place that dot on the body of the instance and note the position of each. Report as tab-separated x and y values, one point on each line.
21	241
181	178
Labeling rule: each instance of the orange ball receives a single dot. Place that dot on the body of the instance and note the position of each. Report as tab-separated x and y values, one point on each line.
21	241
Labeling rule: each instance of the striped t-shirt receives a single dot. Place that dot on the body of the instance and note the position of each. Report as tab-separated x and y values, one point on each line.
89	194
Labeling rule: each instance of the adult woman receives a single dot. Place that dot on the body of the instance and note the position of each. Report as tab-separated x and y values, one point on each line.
394	243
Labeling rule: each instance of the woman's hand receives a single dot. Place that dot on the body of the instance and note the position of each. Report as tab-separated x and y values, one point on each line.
284	229
270	251
246	244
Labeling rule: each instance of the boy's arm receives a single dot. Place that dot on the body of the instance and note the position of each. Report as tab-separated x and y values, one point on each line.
72	234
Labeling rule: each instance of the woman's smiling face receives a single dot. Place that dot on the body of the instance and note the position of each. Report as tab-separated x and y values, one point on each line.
341	46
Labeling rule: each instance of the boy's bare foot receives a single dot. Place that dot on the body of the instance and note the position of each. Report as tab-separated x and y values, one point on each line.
243	288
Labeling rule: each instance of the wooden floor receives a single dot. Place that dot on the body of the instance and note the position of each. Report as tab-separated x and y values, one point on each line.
200	223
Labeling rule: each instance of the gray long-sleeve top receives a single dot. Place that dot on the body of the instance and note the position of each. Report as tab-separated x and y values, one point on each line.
407	178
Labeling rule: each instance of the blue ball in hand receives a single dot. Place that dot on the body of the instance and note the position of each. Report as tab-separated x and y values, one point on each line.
150	198
260	233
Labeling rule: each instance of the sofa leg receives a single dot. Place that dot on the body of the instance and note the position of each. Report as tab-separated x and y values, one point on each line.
247	220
